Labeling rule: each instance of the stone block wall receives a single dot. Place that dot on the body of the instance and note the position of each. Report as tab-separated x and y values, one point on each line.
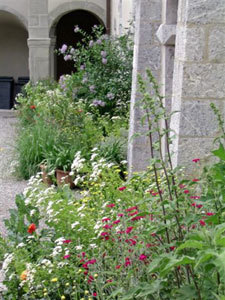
199	78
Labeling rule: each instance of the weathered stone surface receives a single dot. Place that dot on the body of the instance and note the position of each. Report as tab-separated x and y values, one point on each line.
217	44
204	80
38	7
151	10
205	11
33	20
198	119
195	37
166	34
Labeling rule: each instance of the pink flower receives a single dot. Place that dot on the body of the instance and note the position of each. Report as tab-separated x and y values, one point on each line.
66	256
186	191
106	219
131	208
122	188
67	241
90	279
153	234
195	197
95	294
133	213
111	205
131	242
199	206
202	223
107	226
116	222
91	261
181	186
109	280
83	254
210	214
193	204
120	231
104	233
120	215
195	180
118	267
127	262
196	160
142	257
129	229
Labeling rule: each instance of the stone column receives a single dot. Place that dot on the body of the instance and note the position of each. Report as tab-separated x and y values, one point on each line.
147	54
199	78
38	42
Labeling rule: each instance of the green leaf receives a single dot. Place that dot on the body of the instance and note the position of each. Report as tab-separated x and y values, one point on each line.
191	244
185	260
205	256
220	152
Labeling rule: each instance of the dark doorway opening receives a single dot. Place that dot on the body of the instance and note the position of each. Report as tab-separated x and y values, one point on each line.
65	35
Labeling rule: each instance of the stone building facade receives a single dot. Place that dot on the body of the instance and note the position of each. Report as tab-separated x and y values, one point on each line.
28	30
181	41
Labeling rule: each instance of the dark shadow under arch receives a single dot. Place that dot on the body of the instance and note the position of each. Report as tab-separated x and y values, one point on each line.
65	35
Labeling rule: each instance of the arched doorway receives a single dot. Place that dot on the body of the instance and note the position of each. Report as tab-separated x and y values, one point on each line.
14	49
14	55
65	35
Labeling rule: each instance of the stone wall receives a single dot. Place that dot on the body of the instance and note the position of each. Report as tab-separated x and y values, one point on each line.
199	78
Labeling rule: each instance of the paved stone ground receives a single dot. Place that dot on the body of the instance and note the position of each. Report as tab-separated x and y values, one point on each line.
9	185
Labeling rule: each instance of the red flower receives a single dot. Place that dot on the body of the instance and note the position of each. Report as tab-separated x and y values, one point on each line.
186	191
67	241
132	214
111	205
90	279
116	222
118	267
193	204
199	206
83	254
196	160
129	229
104	233
95	294
107	226
210	214
142	257
32	107
127	262
66	256
202	223
195	180
120	215
122	188
109	280
131	242
153	234
172	248
31	228
105	220
131	208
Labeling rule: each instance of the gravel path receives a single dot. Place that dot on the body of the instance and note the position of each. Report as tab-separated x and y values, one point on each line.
9	185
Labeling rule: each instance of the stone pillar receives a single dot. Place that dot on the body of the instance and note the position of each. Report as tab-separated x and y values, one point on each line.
147	54
53	57
38	42
199	78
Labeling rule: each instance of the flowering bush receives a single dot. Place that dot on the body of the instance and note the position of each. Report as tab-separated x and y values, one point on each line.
103	72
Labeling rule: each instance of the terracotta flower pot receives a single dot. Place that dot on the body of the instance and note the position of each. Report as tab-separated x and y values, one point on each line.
63	177
45	177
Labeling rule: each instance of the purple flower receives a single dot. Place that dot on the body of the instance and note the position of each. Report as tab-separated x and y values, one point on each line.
104	61
63	49
97	103
76	29
82	67
67	57
103	54
110	96
85	79
99	42
91	43
92	88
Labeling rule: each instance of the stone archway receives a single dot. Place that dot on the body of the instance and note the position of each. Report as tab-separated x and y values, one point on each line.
14	54
72	13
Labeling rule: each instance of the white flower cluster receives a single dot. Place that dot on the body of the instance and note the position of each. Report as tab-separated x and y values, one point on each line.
8	258
78	162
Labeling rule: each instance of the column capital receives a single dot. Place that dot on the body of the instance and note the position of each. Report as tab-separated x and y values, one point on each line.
39	42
